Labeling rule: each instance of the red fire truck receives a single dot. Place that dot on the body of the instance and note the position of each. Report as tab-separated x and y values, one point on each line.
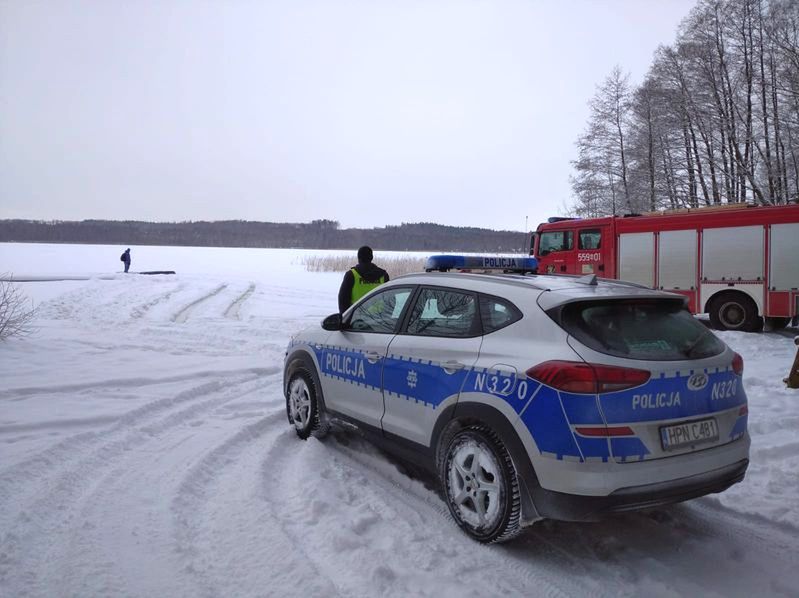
737	263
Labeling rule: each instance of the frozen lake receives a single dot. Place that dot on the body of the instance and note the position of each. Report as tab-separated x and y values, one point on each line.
146	452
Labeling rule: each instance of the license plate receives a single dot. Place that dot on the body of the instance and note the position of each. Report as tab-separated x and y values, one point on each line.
688	434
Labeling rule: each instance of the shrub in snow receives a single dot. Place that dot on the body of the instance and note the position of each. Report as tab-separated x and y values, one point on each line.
16	310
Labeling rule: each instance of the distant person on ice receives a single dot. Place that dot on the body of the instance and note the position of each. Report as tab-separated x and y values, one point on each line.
360	279
125	257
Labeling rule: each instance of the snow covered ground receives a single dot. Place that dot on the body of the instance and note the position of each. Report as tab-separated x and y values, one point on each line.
144	451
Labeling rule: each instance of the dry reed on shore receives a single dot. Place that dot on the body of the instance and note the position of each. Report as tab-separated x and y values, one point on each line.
395	266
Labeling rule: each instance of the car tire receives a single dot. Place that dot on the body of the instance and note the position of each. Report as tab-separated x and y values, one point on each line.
735	311
481	486
303	408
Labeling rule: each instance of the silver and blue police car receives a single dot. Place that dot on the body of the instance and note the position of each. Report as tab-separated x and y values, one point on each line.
530	396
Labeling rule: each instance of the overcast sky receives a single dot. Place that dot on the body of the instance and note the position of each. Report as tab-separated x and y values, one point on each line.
367	112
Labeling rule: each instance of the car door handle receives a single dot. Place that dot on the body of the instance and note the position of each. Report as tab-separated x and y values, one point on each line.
372	357
452	366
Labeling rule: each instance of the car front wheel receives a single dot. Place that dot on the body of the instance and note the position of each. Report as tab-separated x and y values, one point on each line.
302	406
481	486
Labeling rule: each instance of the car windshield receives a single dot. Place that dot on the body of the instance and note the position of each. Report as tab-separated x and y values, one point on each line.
661	329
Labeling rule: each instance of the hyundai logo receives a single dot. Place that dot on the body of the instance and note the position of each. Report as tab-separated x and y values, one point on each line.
698	381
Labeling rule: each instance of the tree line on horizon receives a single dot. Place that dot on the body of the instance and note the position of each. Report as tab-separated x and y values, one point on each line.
716	120
318	234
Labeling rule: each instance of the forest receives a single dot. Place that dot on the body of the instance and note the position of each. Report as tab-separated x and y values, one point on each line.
715	121
318	234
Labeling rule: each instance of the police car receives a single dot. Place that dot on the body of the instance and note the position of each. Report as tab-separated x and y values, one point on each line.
532	397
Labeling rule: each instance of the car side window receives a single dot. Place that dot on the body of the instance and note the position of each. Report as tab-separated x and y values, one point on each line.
444	312
497	313
381	312
590	238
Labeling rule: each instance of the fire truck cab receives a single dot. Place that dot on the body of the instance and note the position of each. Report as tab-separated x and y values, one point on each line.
737	263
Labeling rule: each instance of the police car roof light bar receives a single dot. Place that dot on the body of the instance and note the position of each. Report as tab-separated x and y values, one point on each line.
444	263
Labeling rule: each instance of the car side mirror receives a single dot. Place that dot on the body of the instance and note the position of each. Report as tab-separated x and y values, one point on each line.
332	322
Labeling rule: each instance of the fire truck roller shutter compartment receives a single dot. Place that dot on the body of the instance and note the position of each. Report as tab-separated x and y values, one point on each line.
733	277
784	257
637	258
732	254
677	260
783	283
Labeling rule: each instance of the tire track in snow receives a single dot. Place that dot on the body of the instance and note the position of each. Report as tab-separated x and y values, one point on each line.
157	481
708	516
192	494
503	558
637	550
140	311
219	541
15	393
40	465
233	309
45	488
391	519
181	316
644	549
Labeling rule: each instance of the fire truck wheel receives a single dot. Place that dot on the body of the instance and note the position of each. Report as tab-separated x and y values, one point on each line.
735	311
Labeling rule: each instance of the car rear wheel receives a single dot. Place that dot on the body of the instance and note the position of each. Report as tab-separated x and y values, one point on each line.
735	311
481	485
302	406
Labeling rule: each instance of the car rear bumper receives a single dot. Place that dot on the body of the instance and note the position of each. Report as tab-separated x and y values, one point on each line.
572	507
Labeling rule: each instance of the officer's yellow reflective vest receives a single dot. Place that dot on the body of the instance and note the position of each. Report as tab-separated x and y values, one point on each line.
360	287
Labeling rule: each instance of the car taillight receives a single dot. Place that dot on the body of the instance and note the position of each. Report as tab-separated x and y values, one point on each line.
587	378
738	364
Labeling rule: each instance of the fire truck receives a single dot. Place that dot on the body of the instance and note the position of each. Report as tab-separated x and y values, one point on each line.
737	263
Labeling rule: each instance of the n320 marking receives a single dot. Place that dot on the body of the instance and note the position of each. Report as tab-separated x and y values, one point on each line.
499	385
724	390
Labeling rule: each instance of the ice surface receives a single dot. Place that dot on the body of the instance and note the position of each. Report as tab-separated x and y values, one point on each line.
145	452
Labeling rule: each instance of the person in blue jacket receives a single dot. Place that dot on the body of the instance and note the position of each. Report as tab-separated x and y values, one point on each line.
125	257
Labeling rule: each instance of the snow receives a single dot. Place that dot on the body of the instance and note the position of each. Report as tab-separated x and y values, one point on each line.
145	452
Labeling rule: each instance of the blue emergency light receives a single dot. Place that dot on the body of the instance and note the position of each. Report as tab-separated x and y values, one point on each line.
443	263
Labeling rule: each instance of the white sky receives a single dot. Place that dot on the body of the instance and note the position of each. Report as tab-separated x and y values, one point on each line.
366	112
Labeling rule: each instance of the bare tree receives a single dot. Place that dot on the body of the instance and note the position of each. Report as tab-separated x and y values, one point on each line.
16	311
602	180
715	121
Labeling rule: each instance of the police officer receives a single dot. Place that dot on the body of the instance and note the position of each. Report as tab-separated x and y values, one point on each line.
360	279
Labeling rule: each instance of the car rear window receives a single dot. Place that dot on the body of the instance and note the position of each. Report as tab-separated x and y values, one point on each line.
639	329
